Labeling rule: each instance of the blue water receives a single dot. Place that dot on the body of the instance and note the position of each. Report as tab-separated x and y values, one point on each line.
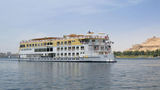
126	74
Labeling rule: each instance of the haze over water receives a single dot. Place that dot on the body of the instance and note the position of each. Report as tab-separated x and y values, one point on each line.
133	74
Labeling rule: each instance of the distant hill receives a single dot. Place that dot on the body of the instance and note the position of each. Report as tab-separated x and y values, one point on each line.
150	44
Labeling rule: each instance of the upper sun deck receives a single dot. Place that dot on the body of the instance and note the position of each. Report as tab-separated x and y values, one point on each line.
89	35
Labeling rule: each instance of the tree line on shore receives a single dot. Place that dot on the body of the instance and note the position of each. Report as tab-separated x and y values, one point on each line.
155	53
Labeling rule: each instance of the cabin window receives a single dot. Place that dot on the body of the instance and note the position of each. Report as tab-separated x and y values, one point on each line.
51	49
65	48
93	40
77	54
73	54
82	47
65	42
51	43
69	54
32	45
65	54
82	52
102	48
96	47
73	48
69	48
61	54
69	42
22	46
77	47
58	49
47	49
58	43
61	48
61	43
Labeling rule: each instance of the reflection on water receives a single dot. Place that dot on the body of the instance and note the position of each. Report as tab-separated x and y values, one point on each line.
126	74
69	76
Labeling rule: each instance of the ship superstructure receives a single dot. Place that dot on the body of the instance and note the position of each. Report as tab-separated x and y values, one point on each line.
73	47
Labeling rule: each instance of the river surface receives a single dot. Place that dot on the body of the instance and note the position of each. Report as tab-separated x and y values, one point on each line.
126	74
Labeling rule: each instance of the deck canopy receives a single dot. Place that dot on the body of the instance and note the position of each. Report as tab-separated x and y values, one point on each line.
46	38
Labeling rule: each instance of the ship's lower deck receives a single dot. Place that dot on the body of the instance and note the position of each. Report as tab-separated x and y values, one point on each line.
70	59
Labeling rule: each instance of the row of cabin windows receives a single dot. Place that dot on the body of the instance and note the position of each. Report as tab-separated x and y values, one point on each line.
35	45
70	48
69	54
65	42
49	43
102	47
22	46
94	40
99	40
43	50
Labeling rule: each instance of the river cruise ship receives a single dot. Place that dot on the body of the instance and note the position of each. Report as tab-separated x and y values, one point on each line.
88	47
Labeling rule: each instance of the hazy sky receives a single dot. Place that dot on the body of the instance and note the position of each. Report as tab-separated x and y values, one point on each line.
127	22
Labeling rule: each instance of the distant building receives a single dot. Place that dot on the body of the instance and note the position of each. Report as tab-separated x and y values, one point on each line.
9	53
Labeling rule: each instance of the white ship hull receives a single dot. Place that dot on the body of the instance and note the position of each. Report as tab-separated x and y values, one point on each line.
107	59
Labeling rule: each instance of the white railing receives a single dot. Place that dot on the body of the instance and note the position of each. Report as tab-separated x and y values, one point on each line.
83	37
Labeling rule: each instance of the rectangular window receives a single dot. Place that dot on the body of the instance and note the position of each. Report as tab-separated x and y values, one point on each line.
51	49
61	48
69	42
77	54
82	47
58	43
65	54
58	48
69	54
61	43
69	48
65	48
65	42
73	48
47	49
61	54
77	48
22	46
45	44
102	48
51	43
73	54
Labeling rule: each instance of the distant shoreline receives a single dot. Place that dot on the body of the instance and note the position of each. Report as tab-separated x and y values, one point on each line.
135	57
